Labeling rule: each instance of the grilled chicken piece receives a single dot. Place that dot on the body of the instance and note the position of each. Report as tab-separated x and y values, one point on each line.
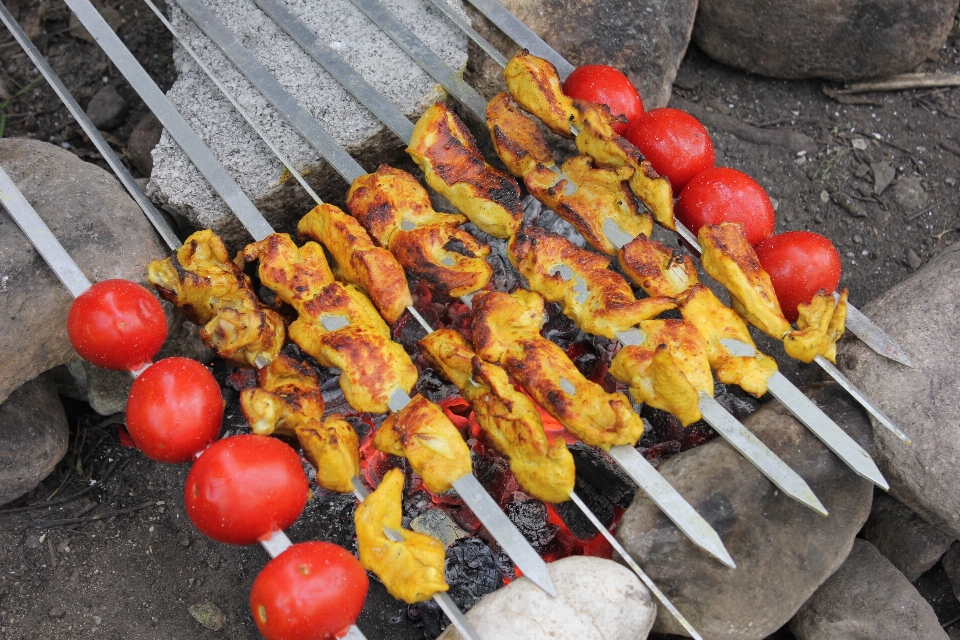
507	417
667	371
393	206
597	202
337	324
201	280
358	261
412	570
656	268
820	325
598	300
506	331
598	140
516	137
424	435
731	261
332	447
447	153
535	84
288	394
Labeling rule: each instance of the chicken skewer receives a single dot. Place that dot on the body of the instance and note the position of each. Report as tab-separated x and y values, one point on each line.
859	324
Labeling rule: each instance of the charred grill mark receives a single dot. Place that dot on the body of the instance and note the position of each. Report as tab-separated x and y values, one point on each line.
456	245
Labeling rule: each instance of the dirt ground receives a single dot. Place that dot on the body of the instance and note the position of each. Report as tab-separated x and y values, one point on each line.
102	548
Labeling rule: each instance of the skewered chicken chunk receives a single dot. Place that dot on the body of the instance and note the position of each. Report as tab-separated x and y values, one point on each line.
332	447
820	325
668	370
447	153
357	260
506	331
598	300
517	139
535	84
337	324
660	270
396	209
200	279
424	435
507	417
413	569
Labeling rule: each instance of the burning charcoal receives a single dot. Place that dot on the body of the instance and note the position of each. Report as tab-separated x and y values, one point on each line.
434	388
332	518
534	213
574	518
532	519
437	524
503	562
735	400
596	467
471	572
493	472
659	452
408	331
466	519
430	617
559	328
664	426
417	503
696	434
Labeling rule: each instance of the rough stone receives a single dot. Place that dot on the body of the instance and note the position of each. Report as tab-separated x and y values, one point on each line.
925	400
106	108
596	600
99	225
144	137
646	40
179	185
883	175
866	598
909	193
908	541
951	565
783	550
835	39
33	437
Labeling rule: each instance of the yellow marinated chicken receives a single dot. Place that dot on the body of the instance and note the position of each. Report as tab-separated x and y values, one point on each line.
396	209
598	300
412	569
288	394
424	435
598	140
668	370
506	331
731	261
358	261
201	280
337	324
332	447
447	153
516	137
660	270
597	202
535	84
507	417
820	325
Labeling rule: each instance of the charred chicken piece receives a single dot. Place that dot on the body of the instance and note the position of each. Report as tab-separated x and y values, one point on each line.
597	202
599	141
731	261
337	324
424	435
669	370
288	394
506	331
454	167
214	293
535	84
332	447
516	137
357	260
820	325
598	300
397	210
412	569
656	268
507	417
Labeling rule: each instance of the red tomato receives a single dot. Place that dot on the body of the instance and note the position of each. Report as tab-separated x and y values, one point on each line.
602	84
800	264
245	487
722	194
116	324
674	142
174	410
311	591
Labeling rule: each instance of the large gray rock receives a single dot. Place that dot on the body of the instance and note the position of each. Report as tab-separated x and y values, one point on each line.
783	550
866	598
908	541
646	39
179	185
33	438
923	315
951	565
833	39
596	600
100	226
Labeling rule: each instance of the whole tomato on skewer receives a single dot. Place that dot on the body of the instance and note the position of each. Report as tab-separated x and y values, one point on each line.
722	194
603	84
800	264
674	142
